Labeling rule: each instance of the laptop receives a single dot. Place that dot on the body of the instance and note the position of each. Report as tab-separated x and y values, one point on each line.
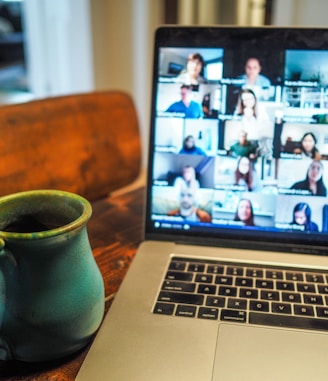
231	281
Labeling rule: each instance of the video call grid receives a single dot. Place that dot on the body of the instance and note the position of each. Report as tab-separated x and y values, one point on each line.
290	104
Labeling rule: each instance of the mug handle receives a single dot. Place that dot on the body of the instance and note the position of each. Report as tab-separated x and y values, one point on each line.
7	266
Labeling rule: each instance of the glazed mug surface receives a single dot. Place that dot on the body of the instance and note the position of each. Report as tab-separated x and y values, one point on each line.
51	289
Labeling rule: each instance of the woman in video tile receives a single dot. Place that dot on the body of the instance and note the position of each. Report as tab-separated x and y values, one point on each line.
254	118
244	212
313	182
308	146
302	217
192	74
188	178
190	148
245	175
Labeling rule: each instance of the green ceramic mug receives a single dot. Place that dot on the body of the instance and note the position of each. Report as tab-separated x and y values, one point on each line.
51	290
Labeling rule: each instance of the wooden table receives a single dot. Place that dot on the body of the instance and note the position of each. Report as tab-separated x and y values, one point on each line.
115	230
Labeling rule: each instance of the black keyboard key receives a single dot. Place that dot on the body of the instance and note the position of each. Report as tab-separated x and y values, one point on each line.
234	316
248	293
305	287
227	291
178	275
237	304
259	305
221	279
288	321
254	273
244	282
269	295
274	274
281	308
215	301
313	299
204	278
231	270
303	310
286	286
177	297
291	297
323	289
186	311
315	278
297	277
169	285
206	289
164	308
322	312
215	269
260	283
177	265
208	313
196	268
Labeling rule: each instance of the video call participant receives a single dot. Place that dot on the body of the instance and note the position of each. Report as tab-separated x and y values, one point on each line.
244	212
253	76
245	175
254	118
190	148
188	178
308	146
253	79
194	66
247	104
243	147
313	183
188	209
302	216
186	105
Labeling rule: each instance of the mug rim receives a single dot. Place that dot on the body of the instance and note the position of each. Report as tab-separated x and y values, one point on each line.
76	224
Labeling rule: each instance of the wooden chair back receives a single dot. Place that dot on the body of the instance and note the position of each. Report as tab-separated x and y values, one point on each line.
85	143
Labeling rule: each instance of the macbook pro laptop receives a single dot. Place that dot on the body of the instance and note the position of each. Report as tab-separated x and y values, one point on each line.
231	281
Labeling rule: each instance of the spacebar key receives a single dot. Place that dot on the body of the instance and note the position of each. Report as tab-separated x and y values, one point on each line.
288	321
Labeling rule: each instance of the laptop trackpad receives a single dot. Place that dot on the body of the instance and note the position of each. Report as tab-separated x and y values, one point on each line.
268	354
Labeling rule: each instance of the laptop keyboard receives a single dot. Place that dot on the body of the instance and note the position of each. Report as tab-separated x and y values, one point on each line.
245	293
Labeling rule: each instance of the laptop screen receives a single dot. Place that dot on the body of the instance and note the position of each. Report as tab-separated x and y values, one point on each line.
239	136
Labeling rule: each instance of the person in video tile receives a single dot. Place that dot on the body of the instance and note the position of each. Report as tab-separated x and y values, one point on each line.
243	147
191	75
245	175
254	118
244	212
186	105
313	183
188	178
247	104
302	217
188	207
252	74
190	148
308	146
